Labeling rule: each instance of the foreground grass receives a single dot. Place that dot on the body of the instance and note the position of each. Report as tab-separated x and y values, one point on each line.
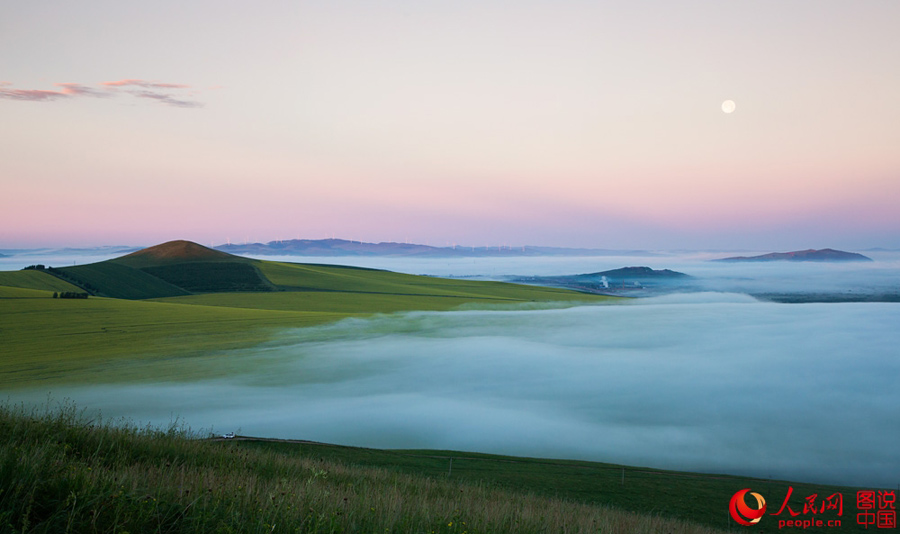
60	473
698	497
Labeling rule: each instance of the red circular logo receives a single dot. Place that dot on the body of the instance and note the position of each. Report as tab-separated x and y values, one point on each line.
742	513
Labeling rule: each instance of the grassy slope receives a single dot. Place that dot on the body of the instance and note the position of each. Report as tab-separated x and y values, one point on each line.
122	282
53	340
702	498
7	292
212	276
340	302
50	340
32	279
59	473
307	277
331	288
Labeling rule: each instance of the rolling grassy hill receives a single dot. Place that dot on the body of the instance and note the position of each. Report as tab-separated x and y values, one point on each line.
181	268
181	300
166	270
110	279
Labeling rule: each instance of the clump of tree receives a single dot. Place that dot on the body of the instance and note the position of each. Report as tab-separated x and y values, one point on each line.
38	267
70	295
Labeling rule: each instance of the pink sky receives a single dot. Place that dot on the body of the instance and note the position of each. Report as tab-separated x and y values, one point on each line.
541	123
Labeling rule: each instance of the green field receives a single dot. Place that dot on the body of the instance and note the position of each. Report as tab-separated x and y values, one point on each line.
200	311
47	341
7	292
31	279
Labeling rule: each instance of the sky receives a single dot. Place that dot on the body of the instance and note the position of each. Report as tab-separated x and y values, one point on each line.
564	123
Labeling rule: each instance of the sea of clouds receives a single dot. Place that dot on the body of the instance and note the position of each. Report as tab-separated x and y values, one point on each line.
713	382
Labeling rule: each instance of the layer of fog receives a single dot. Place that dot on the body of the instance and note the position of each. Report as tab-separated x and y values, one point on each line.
706	382
879	277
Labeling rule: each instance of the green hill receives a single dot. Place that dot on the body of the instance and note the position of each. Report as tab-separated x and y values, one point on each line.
181	299
174	252
167	270
171	269
110	279
212	277
182	268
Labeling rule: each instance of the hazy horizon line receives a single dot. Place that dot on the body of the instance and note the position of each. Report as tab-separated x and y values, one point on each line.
500	246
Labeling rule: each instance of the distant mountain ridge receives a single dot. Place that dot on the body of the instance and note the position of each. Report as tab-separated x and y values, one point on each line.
825	254
344	247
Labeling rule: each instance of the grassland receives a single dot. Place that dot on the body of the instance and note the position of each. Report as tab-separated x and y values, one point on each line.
32	279
47	341
109	279
7	292
62	474
212	276
197	311
300	277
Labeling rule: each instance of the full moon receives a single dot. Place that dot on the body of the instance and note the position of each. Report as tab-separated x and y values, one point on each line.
728	106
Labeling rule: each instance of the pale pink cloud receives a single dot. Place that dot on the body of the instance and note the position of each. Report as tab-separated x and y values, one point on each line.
33	95
69	90
145	84
40	95
76	89
150	90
